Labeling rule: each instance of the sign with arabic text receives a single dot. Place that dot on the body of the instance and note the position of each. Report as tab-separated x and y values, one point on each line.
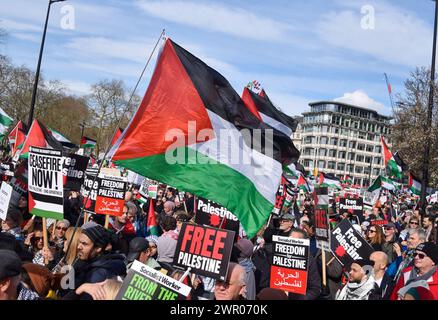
289	264
110	197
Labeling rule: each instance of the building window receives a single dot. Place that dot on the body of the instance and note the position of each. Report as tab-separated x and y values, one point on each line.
378	149
359	158
342	154
376	172
370	148
343	143
309	139
321	164
360	146
323	140
331	165
341	166
358	169
334	141
368	159
362	135
308	152
350	168
351	155
324	129
323	152
377	160
367	170
332	153
352	145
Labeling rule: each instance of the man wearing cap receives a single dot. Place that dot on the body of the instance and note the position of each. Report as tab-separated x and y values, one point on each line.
390	241
11	287
94	264
139	249
423	273
283	230
360	282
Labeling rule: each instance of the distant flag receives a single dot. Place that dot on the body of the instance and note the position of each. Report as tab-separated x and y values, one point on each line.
17	136
116	136
390	163
88	143
39	136
403	165
347	180
58	136
302	184
330	181
152	226
5	122
382	183
414	185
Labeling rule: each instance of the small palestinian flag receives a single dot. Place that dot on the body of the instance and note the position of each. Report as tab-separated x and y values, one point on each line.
39	136
184	91
302	184
265	110
17	136
382	183
414	185
394	169
330	180
321	197
88	143
347	180
152	226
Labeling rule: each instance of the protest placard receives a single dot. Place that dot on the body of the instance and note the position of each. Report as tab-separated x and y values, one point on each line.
212	214
348	245
322	229
74	171
205	250
289	265
89	189
152	191
5	198
144	283
279	200
110	197
352	206
46	191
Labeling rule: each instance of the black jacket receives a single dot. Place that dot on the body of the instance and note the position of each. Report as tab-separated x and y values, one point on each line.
313	283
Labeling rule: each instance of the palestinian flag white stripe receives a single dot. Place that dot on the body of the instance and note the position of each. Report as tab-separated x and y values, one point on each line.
276	124
333	183
263	171
5	122
414	185
59	136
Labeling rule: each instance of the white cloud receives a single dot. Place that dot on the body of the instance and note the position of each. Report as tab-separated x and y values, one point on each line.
97	47
11	25
27	37
399	36
361	99
217	17
77	87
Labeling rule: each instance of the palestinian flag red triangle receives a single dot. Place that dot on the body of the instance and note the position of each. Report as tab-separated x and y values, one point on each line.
186	131
39	136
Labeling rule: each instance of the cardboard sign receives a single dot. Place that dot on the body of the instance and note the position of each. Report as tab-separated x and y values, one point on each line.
74	171
379	222
204	249
348	245
211	214
110	197
5	198
144	283
322	229
352	206
89	189
152	191
289	264
46	190
19	188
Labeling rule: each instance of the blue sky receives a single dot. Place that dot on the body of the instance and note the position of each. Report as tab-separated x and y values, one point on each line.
300	51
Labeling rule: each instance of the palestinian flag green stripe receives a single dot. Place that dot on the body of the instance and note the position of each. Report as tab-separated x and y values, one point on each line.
207	178
47	214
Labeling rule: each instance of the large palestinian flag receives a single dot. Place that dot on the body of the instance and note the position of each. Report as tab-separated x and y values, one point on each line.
262	107
192	131
394	169
39	136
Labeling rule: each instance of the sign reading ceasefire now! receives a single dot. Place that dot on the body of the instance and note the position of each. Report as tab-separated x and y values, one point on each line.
205	250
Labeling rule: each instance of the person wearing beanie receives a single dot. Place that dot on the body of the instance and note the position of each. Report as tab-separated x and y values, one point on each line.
360	281
423	272
94	264
418	293
243	250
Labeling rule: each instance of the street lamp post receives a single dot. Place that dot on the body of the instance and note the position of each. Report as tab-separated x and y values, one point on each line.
37	74
428	125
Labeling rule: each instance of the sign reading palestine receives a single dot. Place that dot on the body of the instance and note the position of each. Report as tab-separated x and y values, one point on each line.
144	283
348	245
322	230
289	264
204	249
110	197
212	214
46	190
352	206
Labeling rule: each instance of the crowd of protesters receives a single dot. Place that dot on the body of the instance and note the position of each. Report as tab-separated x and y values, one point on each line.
403	265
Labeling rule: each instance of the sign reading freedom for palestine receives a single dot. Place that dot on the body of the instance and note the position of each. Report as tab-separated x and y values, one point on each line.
110	197
145	283
46	189
205	250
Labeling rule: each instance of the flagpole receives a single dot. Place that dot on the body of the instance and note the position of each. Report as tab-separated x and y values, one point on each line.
428	124
118	125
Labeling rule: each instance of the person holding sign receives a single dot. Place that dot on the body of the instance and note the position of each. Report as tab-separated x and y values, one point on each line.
95	265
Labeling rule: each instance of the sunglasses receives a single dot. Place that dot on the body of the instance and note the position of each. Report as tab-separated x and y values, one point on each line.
371	231
420	255
414	223
63	229
37	238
